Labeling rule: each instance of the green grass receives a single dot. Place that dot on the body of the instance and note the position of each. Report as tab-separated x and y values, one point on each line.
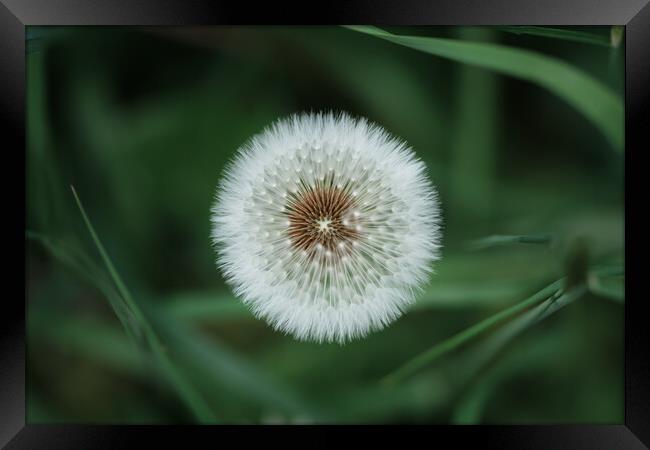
130	321
450	344
184	389
585	37
497	240
586	94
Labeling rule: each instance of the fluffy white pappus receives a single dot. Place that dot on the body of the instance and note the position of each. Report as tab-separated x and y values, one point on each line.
326	226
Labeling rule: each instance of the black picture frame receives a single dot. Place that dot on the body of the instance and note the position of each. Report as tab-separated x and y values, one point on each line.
633	14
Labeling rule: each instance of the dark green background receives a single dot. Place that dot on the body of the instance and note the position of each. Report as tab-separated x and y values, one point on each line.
141	121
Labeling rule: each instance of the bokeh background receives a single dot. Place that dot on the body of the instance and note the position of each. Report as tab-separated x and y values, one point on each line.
141	122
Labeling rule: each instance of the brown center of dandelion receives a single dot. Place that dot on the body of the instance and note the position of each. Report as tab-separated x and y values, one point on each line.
322	218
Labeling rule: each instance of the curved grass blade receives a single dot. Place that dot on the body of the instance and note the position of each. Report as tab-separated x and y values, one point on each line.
457	340
487	349
559	33
184	389
121	287
595	101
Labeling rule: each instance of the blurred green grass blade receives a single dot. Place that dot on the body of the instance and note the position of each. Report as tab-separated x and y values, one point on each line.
109	264
470	408
186	391
590	97
129	322
488	348
500	240
93	340
213	363
463	295
458	339
48	211
208	306
217	306
208	360
559	33
474	148
468	411
609	287
82	265
470	365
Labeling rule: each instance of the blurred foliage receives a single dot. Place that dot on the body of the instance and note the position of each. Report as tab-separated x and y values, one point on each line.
130	322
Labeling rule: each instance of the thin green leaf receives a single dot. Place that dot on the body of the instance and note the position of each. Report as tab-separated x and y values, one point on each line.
469	409
487	349
590	97
472	363
48	210
499	240
186	391
559	33
473	151
457	340
469	294
79	262
126	295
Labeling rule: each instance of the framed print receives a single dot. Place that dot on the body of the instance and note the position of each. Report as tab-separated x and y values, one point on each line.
413	215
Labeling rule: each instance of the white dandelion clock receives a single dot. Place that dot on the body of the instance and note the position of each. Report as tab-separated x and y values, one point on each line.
326	226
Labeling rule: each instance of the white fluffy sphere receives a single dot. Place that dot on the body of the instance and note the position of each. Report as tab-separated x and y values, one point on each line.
326	226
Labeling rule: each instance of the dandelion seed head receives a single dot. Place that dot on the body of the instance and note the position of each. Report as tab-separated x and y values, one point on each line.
326	226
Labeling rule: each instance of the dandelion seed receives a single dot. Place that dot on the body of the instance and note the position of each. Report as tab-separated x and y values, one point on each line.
346	274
